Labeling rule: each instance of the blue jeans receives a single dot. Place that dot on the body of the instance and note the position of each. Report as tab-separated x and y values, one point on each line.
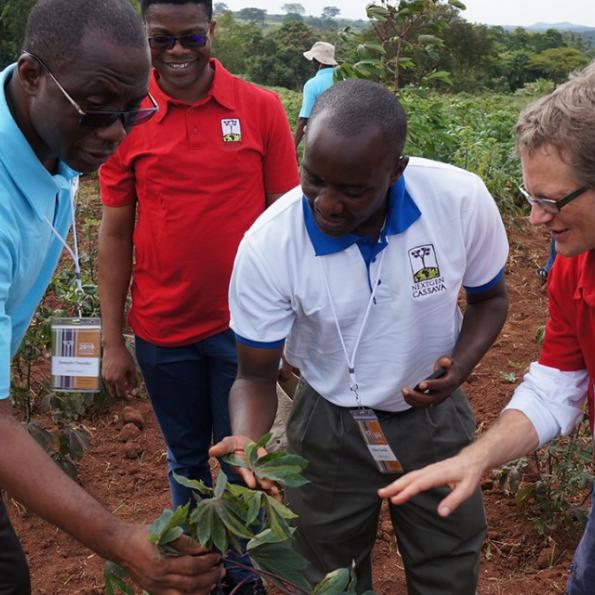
189	388
582	569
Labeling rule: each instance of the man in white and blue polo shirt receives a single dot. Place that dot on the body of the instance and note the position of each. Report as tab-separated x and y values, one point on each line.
356	275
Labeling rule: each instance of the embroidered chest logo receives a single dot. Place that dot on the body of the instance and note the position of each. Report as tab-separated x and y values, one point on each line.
425	271
231	130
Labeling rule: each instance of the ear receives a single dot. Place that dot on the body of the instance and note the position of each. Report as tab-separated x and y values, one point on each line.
399	168
30	74
212	27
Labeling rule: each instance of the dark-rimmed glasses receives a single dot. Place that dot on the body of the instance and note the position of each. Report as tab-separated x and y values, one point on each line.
167	42
104	118
550	205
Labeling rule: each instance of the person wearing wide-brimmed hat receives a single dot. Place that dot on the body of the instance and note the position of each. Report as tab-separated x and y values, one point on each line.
322	55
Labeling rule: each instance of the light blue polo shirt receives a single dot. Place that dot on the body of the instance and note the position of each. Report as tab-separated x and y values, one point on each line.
315	87
29	250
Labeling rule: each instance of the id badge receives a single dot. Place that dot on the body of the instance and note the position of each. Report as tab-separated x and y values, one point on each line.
76	351
375	440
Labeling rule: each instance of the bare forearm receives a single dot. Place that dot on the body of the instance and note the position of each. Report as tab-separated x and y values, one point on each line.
115	270
482	323
511	437
252	407
31	477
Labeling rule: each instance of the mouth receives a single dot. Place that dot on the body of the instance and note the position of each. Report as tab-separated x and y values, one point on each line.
95	158
179	66
330	223
559	235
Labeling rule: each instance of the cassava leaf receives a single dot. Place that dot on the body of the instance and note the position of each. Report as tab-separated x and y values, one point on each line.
169	519
334	583
194	484
171	535
280	559
220	485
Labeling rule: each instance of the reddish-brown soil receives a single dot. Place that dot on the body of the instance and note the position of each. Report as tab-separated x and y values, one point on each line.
515	559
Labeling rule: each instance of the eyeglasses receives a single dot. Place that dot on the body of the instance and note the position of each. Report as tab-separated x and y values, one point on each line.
167	42
548	204
103	119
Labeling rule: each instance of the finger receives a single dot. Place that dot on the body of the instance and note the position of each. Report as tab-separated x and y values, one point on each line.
461	492
200	583
187	545
417	399
444	362
223	447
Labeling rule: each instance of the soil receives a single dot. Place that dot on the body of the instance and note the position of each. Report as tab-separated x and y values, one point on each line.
129	477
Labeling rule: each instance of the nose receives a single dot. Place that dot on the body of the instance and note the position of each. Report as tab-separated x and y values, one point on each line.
177	48
328	202
539	216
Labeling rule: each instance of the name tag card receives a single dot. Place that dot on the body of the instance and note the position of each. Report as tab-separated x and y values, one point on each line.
76	354
375	440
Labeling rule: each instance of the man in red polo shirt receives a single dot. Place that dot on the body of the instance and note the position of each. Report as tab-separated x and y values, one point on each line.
217	153
556	144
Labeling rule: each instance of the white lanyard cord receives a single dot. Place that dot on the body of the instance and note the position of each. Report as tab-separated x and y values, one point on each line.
73	253
351	360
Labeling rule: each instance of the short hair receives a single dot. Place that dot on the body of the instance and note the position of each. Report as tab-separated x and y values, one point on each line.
354	105
208	4
564	119
55	28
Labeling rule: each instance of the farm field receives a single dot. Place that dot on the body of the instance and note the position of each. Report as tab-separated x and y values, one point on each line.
129	477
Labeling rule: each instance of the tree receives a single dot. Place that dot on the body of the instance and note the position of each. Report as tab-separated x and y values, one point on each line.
293	8
557	63
13	16
407	42
220	8
254	15
330	12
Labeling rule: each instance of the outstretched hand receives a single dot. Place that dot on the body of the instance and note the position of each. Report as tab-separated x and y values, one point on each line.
236	445
460	473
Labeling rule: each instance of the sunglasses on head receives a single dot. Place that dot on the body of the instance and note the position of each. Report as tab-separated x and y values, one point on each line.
103	119
167	42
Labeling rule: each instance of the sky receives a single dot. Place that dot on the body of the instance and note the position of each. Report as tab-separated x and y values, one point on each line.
500	12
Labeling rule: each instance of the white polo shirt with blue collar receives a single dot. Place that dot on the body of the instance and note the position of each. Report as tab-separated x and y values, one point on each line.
443	231
29	250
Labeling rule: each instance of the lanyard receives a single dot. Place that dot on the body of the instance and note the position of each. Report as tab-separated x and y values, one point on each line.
351	360
74	255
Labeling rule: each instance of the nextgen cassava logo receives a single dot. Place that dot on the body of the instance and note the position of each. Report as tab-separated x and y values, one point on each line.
427	279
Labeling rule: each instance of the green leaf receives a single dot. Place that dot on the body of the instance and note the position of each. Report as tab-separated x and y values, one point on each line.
171	535
282	467
113	577
374	47
430	40
334	583
374	11
235	461
439	75
279	558
194	484
264	440
208	527
168	520
220	485
457	4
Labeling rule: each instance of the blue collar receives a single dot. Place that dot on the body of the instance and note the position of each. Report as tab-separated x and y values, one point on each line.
21	162
402	212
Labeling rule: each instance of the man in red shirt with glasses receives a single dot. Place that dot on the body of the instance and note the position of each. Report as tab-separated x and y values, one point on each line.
179	193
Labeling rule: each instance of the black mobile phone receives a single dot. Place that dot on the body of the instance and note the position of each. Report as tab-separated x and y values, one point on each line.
433	376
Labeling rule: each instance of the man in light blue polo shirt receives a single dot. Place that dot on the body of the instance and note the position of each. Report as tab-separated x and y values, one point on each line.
66	104
322	55
355	276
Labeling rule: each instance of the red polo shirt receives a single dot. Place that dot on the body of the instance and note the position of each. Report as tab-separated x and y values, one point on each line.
569	342
200	173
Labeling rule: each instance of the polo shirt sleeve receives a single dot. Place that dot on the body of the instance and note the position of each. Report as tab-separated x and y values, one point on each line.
280	161
6	265
552	399
309	98
116	180
486	245
261	312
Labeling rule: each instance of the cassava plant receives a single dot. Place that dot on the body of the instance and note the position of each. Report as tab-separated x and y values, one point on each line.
229	514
